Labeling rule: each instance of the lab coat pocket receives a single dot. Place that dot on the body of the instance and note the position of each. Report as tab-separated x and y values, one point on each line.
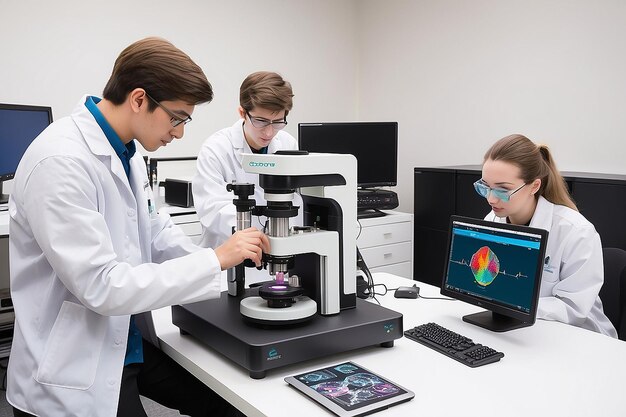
72	352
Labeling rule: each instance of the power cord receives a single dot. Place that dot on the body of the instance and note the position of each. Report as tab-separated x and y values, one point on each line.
359	234
419	295
369	290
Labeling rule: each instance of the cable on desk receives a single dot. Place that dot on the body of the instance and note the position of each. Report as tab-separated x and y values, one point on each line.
436	298
369	289
418	294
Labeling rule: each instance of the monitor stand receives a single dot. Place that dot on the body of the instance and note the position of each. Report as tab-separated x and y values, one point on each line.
494	321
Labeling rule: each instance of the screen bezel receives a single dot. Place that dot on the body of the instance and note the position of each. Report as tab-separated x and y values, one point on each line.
494	307
370	184
21	107
358	411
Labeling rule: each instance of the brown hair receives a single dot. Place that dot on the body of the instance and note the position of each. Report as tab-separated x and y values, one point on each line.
163	70
534	161
266	90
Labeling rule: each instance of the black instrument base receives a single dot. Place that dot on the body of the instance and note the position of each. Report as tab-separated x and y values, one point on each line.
219	324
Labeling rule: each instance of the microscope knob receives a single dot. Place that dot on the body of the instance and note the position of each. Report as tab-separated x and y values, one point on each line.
294	281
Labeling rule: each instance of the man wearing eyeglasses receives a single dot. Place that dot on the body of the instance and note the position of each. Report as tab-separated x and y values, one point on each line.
90	257
265	100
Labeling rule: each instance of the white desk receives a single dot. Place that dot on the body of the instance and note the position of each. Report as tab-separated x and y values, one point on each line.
549	369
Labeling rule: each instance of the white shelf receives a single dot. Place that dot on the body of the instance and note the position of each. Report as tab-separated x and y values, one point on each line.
386	243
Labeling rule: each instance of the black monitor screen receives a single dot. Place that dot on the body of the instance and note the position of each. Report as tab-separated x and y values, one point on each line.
374	144
496	266
19	125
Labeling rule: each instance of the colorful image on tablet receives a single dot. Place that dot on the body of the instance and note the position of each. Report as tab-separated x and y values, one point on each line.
350	386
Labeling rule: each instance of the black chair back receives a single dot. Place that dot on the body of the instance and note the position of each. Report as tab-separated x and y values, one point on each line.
613	291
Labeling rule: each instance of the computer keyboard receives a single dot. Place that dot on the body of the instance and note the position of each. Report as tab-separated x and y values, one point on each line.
376	199
453	345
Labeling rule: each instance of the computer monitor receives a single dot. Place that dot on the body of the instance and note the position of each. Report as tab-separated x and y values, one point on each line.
374	144
19	125
496	266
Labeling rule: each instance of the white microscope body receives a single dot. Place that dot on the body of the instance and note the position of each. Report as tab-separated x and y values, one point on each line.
327	183
316	314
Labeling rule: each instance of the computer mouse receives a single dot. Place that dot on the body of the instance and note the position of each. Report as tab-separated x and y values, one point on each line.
407	292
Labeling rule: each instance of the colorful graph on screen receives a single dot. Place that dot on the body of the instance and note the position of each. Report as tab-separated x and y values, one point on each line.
485	266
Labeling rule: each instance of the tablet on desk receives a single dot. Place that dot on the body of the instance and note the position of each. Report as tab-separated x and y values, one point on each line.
348	389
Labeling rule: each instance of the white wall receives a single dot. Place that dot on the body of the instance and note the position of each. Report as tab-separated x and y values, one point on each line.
460	74
456	74
53	52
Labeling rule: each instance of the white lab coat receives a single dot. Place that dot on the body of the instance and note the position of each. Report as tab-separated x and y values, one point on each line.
573	271
219	163
85	254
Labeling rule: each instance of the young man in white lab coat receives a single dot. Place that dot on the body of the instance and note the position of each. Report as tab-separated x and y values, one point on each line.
265	100
89	254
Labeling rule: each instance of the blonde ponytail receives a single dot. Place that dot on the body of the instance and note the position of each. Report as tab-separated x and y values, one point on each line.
553	186
534	161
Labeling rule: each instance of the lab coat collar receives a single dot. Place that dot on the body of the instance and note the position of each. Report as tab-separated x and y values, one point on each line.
542	218
92	133
237	139
97	141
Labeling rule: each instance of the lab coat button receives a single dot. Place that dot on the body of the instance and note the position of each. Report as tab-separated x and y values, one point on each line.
118	340
131	212
111	381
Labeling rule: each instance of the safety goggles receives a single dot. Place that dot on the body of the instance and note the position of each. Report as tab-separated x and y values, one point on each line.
501	194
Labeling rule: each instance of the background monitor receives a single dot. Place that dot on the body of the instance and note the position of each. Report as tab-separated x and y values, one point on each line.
19	125
496	266
374	144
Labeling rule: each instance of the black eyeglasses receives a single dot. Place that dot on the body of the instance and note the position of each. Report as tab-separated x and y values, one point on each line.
175	119
261	123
